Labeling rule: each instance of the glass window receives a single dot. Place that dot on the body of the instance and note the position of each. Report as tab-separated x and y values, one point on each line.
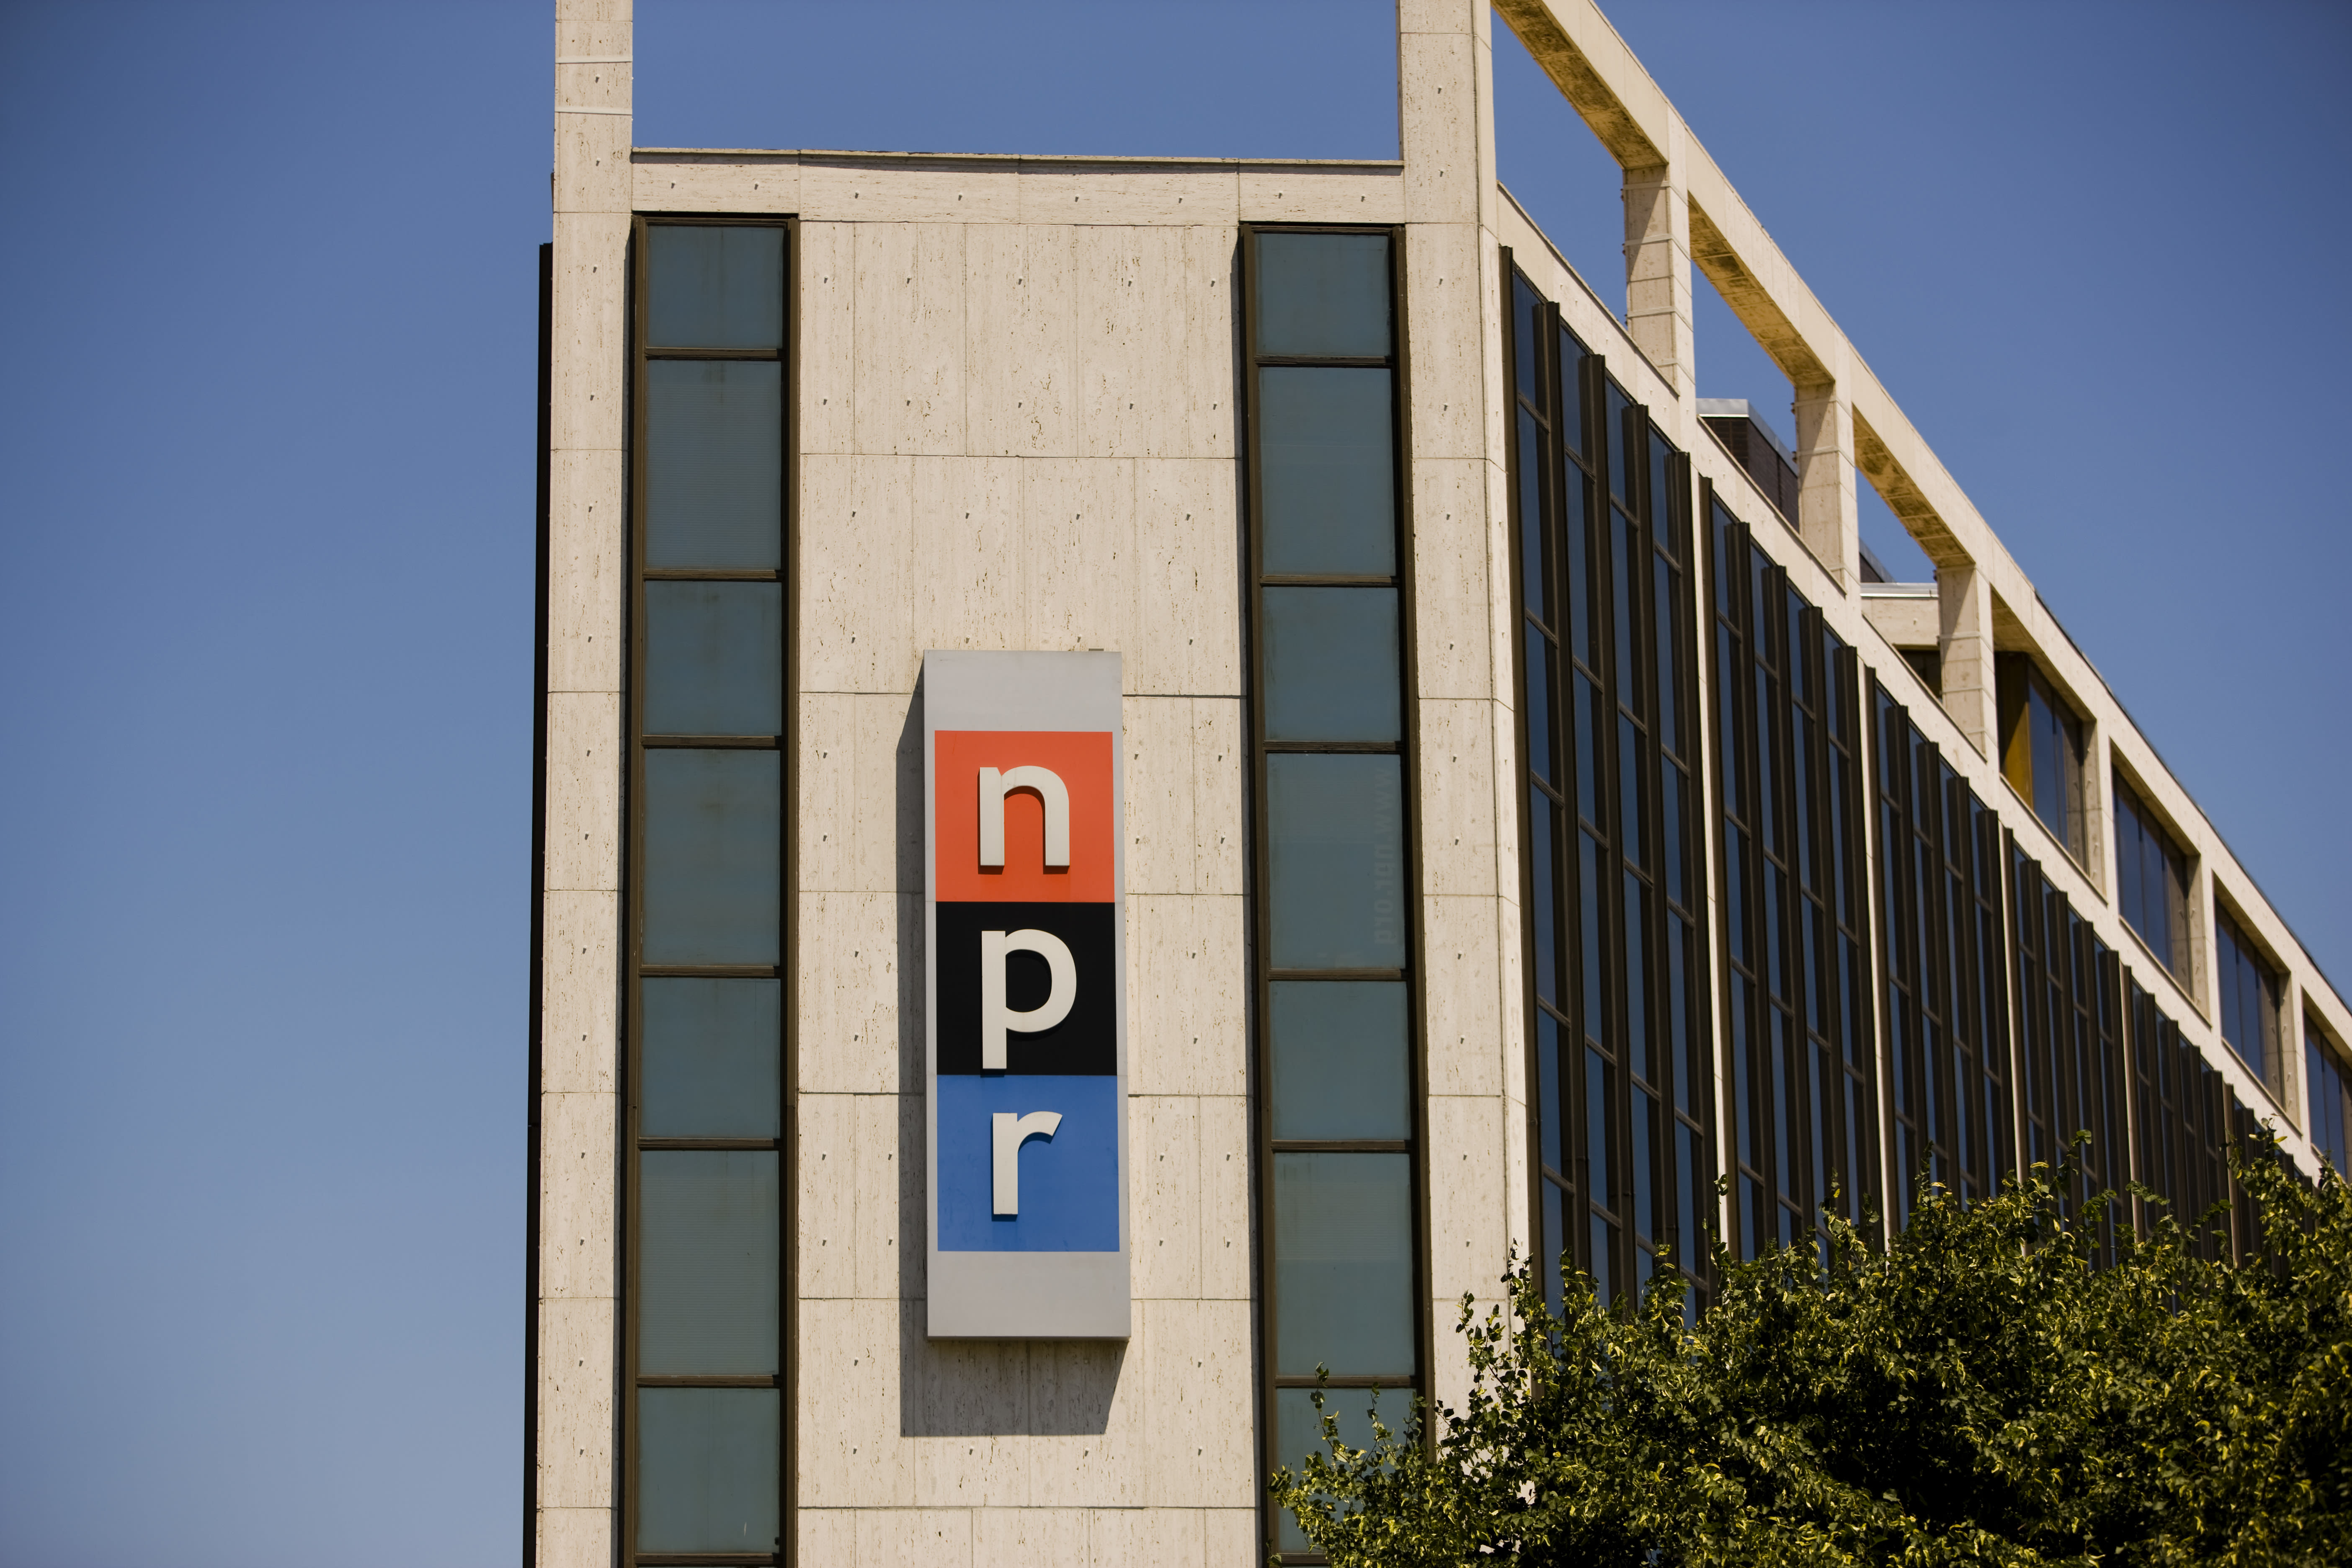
714	463
714	658
708	1269
2151	881
712	848
1339	1050
1337	824
1332	664
715	286
1343	1281
708	1461
1327	480
1298	1430
1323	296
2331	1110
709	1052
2249	991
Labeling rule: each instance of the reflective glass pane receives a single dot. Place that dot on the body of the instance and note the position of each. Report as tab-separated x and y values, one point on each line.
1548	1107
709	1469
714	658
1323	296
1535	583
1571	419
1298	1430
1332	664
1328	470
1525	356
1336	832
1538	704
708	1265
1343	1263
1340	1051
1543	907
716	287
711	846
714	463
710	1056
1618	407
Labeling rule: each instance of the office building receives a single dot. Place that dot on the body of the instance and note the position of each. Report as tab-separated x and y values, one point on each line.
1148	766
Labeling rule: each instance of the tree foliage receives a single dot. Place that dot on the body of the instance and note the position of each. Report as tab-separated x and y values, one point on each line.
1973	1391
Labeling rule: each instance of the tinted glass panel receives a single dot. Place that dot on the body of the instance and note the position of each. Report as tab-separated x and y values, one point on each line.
714	287
708	1463
1339	1050
1343	1278
1332	664
707	1290
1571	392
711	1059
1326	470
711	856
1323	296
1298	1430
714	463
714	658
1337	828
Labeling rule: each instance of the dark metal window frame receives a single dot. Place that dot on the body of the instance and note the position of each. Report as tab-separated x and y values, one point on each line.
1663	524
1407	749
1794	884
2132	800
2231	934
635	972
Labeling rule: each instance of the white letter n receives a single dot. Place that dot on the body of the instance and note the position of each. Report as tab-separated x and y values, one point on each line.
1056	796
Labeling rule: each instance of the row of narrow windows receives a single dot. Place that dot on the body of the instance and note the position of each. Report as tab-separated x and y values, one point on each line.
2006	1018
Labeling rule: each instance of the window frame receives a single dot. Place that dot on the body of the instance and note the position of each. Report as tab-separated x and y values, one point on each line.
632	1144
1263	974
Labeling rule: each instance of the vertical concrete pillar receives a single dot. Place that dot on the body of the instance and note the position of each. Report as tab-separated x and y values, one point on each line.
1464	725
1658	270
1964	643
577	1374
1826	513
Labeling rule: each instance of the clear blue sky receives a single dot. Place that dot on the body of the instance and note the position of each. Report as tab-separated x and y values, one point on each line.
268	495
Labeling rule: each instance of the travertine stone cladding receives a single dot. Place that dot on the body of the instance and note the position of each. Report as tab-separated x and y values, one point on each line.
1020	434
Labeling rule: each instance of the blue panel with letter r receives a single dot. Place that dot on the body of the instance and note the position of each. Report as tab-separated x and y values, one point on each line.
1068	1183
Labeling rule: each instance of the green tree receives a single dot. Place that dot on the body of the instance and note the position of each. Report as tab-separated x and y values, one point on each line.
1974	1391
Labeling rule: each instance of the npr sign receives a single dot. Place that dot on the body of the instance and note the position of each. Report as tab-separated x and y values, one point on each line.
1027	1023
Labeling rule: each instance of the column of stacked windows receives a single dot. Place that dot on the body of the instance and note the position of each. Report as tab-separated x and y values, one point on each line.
1340	1093
2331	1100
1617	994
704	1203
1939	887
2070	1032
2184	1116
1798	1005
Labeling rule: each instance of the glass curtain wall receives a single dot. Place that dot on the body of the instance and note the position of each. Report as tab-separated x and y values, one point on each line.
2069	1034
2151	881
704	1203
1939	892
2250	1001
1339	1075
2185	1115
1616	1001
1804	1092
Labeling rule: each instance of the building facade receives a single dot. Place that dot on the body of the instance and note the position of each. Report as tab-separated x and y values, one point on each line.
1532	806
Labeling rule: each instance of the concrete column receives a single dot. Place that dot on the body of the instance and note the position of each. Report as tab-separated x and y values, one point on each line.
1964	641
1658	270
1466	730
1826	514
578	1367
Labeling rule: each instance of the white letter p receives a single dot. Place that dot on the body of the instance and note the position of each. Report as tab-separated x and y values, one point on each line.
995	1018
